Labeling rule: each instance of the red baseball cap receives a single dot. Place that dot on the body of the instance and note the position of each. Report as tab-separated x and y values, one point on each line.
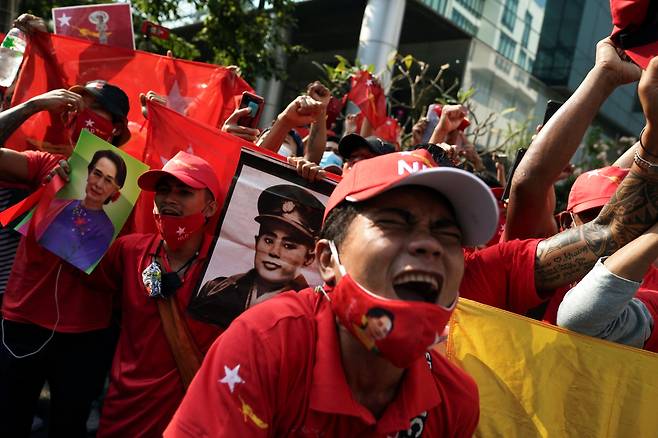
594	188
634	28
473	203
189	169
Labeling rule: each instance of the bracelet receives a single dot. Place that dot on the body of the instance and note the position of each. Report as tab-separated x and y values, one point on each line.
643	163
642	144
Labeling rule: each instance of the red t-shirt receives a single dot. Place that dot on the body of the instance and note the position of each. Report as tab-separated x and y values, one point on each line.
145	385
650	300
277	371
41	285
502	276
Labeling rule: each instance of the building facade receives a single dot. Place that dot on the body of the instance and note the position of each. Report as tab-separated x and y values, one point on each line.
515	53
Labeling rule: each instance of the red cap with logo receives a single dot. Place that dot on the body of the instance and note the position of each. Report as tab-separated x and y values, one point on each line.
594	188
635	28
189	169
472	201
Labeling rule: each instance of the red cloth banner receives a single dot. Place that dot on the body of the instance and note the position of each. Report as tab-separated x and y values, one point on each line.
368	95
389	131
110	24
204	92
169	133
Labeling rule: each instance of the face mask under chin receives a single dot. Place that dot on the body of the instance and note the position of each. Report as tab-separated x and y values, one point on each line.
399	331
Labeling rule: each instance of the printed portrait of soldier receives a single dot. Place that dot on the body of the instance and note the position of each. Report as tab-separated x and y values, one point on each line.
289	219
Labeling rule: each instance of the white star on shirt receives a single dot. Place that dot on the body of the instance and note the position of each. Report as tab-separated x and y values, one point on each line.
89	123
64	20
231	377
181	231
369	82
591	173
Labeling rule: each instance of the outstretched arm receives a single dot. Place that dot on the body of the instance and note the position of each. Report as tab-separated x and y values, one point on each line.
532	200
301	111
568	256
13	165
317	136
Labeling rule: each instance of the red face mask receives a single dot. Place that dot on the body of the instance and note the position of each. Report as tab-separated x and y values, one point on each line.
400	331
176	230
89	120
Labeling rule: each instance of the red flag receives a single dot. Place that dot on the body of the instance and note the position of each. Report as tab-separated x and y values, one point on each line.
203	91
110	24
389	131
170	132
369	96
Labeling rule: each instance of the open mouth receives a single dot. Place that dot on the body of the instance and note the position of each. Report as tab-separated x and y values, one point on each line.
169	212
271	266
414	286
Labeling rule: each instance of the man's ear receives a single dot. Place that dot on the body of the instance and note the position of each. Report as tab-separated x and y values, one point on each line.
326	263
210	209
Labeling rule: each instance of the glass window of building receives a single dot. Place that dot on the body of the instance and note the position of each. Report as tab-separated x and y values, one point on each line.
506	46
475	7
526	29
522	58
464	22
509	14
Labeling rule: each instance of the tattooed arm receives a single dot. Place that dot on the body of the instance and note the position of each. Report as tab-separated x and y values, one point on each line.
13	165
55	100
569	255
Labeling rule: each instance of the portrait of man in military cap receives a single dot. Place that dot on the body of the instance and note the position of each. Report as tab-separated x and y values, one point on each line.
289	220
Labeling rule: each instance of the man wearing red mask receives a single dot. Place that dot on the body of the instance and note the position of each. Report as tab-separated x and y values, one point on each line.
54	327
307	364
353	357
160	346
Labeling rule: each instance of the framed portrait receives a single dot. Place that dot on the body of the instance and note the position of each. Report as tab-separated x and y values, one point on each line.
80	222
265	239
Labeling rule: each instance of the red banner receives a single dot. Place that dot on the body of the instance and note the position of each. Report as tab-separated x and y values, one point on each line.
204	92
369	96
389	131
170	132
110	24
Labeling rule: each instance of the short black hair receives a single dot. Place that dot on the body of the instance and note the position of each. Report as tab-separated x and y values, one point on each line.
437	153
115	158
338	221
378	312
488	178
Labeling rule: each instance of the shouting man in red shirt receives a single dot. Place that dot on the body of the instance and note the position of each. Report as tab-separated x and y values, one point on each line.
351	358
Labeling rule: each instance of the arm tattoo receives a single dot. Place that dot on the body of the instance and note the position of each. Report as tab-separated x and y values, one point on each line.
568	256
12	118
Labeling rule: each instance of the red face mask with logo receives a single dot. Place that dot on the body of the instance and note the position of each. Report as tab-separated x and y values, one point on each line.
89	120
176	230
400	331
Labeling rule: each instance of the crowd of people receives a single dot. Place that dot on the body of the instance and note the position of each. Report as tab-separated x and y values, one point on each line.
403	235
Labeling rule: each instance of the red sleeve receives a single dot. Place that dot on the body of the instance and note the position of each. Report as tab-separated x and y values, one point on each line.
503	276
108	275
233	393
650	300
39	164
